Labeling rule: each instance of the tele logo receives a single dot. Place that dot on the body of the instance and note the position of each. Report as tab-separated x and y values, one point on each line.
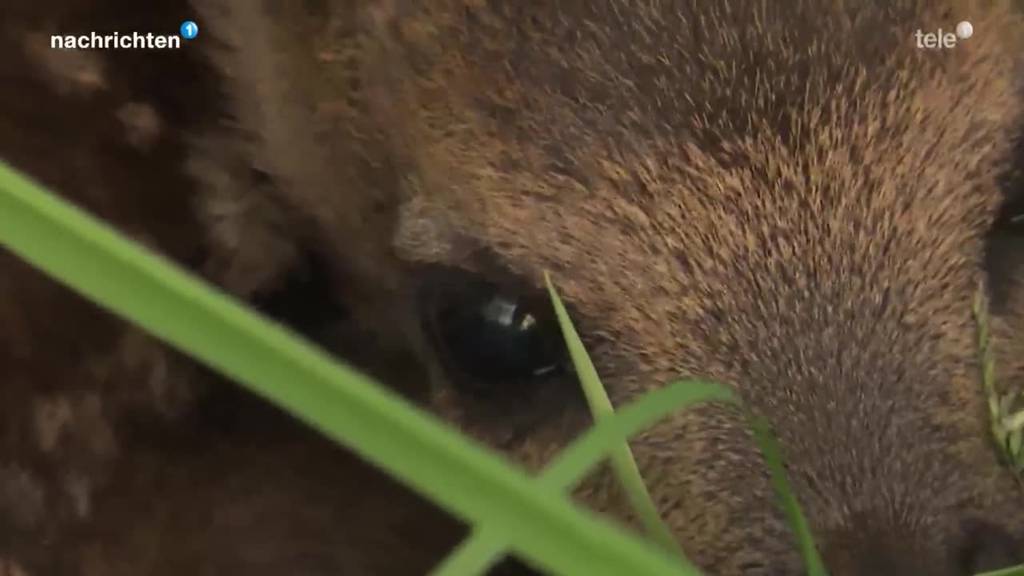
941	39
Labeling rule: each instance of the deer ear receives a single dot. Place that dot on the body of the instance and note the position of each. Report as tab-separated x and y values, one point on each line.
988	547
1005	265
1005	282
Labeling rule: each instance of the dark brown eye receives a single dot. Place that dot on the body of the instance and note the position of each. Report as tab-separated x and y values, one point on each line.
493	338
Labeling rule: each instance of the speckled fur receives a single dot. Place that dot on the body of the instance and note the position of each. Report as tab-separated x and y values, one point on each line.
806	195
785	197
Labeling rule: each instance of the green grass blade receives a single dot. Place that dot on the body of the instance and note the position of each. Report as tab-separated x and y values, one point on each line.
483	548
791	508
1002	436
417	449
1015	571
1004	425
600	406
628	473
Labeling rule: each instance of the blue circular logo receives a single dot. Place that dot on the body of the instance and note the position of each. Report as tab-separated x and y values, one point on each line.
189	29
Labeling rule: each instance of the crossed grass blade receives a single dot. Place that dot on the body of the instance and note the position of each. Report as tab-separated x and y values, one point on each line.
414	447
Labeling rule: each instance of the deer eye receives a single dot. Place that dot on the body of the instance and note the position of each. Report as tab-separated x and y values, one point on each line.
492	338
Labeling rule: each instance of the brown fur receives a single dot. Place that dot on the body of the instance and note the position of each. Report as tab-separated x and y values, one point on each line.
788	198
